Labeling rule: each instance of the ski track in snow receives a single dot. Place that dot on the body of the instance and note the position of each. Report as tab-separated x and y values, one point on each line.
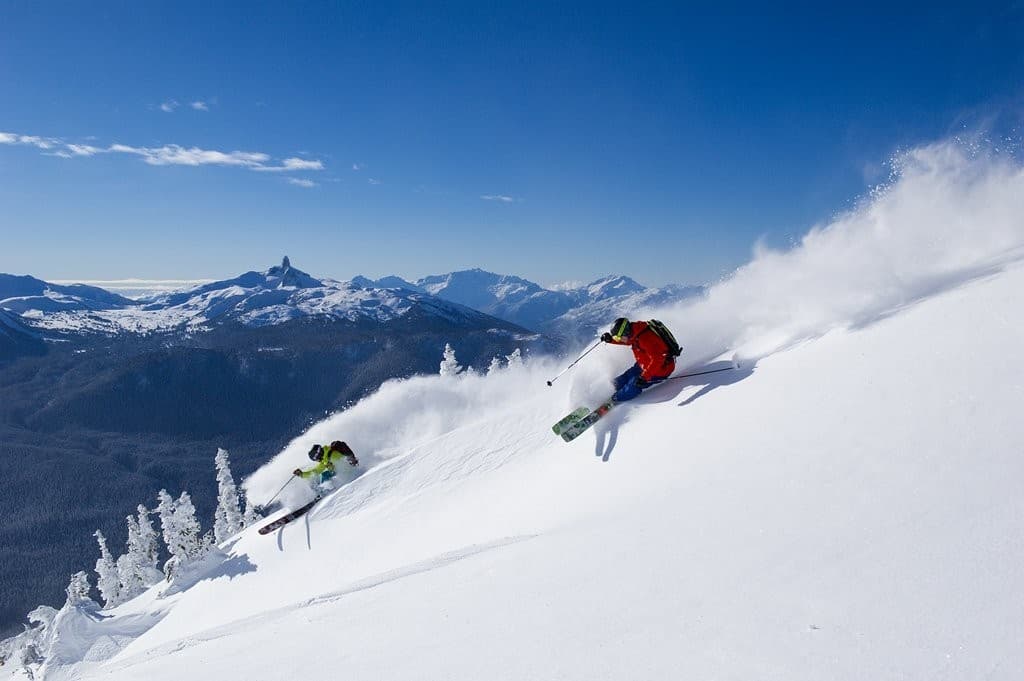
255	621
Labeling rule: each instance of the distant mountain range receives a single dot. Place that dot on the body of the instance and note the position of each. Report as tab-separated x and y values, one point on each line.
254	299
284	293
566	313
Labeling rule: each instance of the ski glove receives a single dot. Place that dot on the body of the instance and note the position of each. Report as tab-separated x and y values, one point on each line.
606	337
298	472
352	460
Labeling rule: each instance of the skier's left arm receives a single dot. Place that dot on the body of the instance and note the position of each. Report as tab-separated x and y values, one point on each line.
315	470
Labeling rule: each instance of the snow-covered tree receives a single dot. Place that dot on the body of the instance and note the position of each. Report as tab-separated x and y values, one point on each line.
450	366
168	529
149	545
137	567
494	366
78	589
190	532
107	580
128	565
181	530
515	359
227	518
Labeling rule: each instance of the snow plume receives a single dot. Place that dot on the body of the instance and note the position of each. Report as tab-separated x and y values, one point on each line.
950	214
401	415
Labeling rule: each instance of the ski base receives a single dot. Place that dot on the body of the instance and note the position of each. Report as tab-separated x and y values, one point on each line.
288	517
579	427
570	419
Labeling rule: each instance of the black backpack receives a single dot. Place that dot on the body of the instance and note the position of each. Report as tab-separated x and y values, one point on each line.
664	334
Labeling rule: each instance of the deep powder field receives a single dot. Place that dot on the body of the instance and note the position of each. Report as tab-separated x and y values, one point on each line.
844	505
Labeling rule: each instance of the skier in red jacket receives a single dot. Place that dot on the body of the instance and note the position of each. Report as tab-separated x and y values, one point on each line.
655	359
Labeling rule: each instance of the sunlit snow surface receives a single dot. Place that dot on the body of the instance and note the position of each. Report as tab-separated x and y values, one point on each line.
845	506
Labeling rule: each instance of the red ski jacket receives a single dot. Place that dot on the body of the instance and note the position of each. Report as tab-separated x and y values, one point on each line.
650	351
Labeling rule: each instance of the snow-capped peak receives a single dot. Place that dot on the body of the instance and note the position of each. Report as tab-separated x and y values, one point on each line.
286	276
612	286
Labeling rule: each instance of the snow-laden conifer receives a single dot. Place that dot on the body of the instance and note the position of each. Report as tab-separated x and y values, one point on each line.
149	546
181	531
494	366
78	589
190	533
108	582
227	518
168	528
515	359
137	567
128	565
449	365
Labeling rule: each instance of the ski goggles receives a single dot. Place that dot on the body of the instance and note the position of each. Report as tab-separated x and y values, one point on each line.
622	330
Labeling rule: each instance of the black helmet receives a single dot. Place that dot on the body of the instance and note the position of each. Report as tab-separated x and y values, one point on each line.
621	328
316	453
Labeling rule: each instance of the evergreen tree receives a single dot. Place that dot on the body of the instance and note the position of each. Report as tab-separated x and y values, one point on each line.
168	528
107	580
169	531
137	567
227	518
181	531
78	589
129	565
450	366
494	366
149	547
515	359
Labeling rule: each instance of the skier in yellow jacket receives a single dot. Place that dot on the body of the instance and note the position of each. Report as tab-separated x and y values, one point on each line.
326	456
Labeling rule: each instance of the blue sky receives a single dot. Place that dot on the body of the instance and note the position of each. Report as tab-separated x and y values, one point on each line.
554	141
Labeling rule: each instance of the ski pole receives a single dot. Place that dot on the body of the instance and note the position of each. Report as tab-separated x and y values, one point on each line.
701	373
279	491
591	349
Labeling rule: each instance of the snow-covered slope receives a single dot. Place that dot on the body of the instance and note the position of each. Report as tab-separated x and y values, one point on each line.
845	506
846	511
24	293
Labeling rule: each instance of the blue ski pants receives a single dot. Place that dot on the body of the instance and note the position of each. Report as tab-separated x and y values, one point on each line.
629	384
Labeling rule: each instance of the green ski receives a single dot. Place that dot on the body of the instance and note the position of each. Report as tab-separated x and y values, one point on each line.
569	420
576	429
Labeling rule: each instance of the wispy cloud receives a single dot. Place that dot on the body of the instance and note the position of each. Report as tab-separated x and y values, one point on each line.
169	106
498	197
166	155
299	182
200	106
45	143
374	182
290	164
174	155
356	167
